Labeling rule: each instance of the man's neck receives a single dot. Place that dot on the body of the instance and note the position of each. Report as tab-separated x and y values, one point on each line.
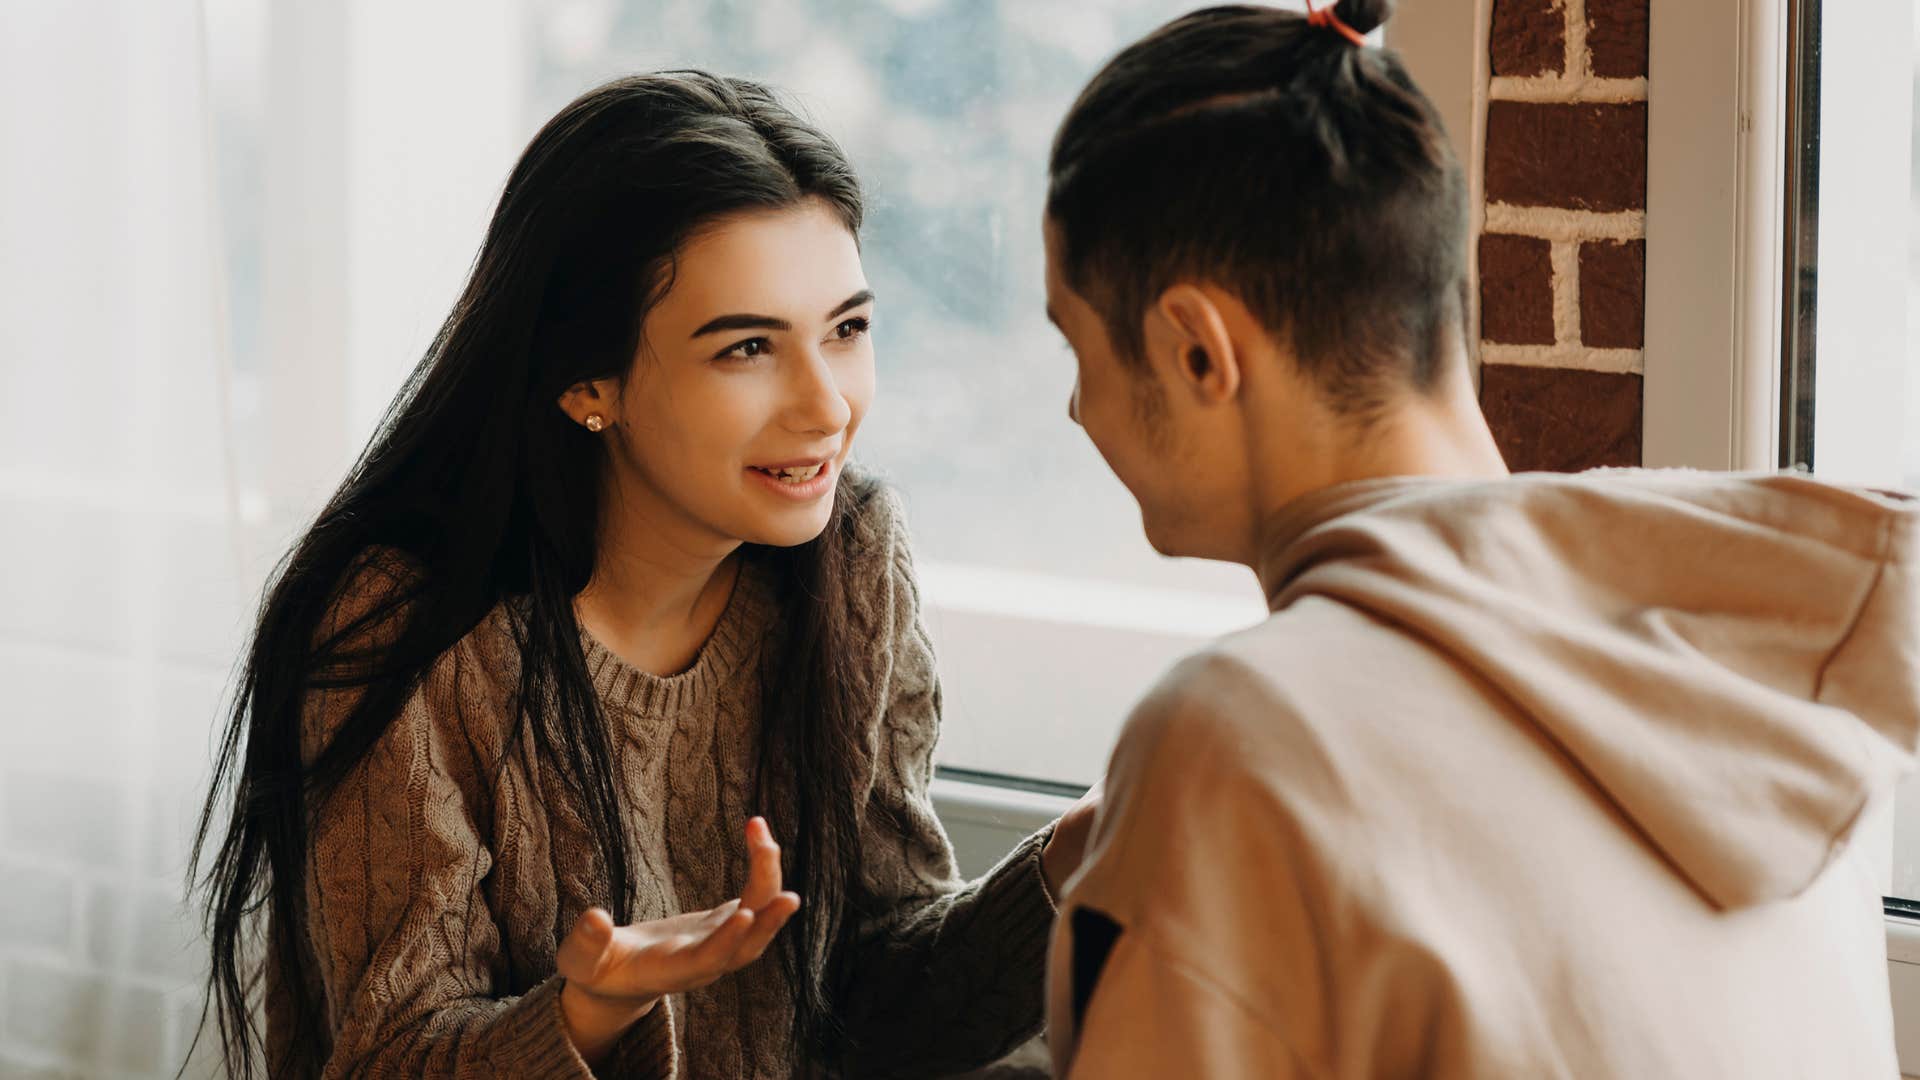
1440	435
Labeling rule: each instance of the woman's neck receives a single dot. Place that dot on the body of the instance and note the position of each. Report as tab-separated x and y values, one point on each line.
656	593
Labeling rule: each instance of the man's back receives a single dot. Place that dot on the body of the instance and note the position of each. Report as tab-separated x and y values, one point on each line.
1449	813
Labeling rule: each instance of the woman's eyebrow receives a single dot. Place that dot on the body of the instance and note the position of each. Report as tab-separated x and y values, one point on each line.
768	322
864	296
742	322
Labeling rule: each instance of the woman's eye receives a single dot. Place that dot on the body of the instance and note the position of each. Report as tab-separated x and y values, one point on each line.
851	329
746	350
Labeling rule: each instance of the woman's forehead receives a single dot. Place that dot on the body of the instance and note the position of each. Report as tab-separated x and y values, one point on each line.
795	264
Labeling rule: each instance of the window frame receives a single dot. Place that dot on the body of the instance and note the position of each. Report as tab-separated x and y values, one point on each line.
1715	196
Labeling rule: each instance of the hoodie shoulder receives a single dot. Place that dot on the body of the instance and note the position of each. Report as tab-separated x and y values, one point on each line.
1279	705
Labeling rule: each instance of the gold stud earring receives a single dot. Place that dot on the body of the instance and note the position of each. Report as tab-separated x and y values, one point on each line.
595	422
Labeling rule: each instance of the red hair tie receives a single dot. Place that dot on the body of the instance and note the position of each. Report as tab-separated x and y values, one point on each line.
1327	19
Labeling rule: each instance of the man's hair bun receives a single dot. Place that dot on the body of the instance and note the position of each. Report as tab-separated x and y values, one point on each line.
1365	16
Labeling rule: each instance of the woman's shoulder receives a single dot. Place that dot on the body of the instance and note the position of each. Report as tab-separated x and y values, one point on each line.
373	603
876	515
367	606
882	585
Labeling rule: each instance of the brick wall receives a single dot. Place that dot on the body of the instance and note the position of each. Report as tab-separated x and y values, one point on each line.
1563	250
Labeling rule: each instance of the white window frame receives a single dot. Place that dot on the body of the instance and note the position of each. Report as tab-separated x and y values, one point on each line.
1716	176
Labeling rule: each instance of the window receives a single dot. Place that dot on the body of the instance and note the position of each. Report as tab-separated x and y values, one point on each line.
1049	611
1050	614
1850	376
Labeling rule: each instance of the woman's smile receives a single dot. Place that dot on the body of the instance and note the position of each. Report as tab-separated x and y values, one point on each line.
802	481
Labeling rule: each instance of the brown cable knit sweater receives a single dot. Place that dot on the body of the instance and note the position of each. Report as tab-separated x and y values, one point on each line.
438	892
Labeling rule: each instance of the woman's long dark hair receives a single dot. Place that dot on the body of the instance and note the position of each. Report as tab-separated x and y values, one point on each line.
489	492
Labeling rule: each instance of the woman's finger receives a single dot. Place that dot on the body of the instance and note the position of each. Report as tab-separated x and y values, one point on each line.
710	957
584	951
763	866
765	927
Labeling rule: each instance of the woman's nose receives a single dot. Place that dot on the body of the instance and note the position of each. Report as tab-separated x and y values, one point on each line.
1073	401
818	403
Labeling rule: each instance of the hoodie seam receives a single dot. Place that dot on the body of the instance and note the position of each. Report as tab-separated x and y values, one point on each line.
1840	830
1860	610
1156	945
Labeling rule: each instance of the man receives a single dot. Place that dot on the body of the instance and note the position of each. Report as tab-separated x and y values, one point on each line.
1524	776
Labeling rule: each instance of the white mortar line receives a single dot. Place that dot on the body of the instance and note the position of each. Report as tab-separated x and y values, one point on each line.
1566	293
1553	223
1580	90
1579	60
1566	357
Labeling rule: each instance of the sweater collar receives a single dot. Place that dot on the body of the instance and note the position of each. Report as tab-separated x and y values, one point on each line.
742	628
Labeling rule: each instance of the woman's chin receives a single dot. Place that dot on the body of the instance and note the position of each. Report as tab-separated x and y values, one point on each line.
791	528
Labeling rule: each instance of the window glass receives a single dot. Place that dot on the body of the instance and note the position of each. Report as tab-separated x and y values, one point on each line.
1049	610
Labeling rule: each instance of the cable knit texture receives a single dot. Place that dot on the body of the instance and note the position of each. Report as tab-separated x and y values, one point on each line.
442	879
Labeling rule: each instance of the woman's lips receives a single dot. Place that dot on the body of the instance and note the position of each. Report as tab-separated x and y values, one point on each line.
803	481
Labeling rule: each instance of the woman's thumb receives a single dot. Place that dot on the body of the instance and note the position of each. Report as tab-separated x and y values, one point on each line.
582	952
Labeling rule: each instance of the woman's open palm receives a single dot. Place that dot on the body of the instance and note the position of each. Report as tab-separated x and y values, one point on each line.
637	965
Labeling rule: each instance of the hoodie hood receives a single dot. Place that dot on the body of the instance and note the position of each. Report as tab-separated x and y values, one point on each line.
1733	660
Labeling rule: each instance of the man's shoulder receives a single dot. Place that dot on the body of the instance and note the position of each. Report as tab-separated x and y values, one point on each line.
1278	672
1277	718
1227	781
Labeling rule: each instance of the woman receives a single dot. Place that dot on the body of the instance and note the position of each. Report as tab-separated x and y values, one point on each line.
601	589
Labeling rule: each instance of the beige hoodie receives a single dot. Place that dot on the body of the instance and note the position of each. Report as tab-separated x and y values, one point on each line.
1538	777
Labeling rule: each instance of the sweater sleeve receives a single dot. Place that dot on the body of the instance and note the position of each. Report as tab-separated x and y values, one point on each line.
947	975
404	940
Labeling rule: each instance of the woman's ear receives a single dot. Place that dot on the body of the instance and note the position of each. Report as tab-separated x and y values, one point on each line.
590	404
1203	357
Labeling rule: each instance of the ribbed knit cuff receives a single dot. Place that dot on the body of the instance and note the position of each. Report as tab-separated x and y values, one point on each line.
1017	908
537	1043
647	1050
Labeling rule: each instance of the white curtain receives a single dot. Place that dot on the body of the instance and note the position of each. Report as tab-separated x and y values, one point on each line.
121	589
227	230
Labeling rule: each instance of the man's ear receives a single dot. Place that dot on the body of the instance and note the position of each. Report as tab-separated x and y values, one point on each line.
1198	351
584	400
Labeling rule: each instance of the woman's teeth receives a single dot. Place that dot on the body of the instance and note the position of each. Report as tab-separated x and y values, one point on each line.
799	475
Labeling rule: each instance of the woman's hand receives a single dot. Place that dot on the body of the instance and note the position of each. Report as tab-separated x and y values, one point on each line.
616	974
1061	857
